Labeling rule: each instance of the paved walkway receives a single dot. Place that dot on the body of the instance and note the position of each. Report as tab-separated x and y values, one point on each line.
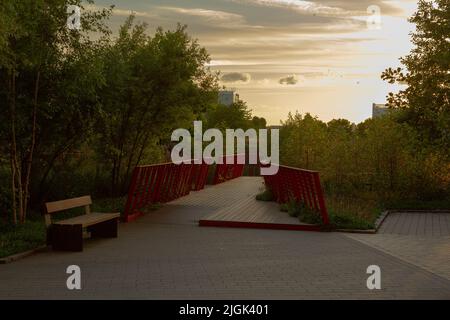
165	255
422	239
418	224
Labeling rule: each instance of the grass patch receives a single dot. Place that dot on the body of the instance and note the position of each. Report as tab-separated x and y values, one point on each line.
344	220
21	238
352	212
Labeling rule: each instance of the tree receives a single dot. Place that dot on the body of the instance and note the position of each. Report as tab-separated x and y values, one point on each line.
301	141
36	51
259	122
235	116
426	100
154	86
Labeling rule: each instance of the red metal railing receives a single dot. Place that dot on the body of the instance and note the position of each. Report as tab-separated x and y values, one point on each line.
227	171
159	184
252	170
302	185
199	176
163	183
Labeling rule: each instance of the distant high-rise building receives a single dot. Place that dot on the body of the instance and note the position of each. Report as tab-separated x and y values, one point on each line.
228	97
379	110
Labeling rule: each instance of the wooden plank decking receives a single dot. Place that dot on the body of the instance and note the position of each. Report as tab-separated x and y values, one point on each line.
250	213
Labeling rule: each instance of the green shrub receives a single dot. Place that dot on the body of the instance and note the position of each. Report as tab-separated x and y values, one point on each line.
300	210
310	216
295	208
266	195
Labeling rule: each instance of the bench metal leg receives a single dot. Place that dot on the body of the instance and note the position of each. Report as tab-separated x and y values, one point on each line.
66	237
107	229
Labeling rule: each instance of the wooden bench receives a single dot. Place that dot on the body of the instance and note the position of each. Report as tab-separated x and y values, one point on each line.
68	234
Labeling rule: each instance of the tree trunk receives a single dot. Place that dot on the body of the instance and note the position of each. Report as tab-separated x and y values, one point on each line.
15	170
33	143
13	188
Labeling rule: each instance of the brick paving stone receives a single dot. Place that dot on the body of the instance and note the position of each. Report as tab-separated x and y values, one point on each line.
430	253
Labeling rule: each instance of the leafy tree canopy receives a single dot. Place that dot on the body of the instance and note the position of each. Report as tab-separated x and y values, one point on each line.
426	100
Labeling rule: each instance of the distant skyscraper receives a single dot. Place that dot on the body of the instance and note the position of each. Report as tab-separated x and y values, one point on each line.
379	110
228	97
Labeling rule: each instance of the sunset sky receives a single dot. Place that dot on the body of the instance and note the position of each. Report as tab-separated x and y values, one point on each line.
286	55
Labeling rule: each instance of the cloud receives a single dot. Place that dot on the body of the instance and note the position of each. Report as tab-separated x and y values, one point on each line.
121	12
236	77
289	80
209	15
302	6
288	46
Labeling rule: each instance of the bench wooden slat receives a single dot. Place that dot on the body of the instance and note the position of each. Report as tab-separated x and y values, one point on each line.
68	234
88	219
62	205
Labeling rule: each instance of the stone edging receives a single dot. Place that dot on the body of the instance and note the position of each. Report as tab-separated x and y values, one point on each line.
21	255
420	211
378	223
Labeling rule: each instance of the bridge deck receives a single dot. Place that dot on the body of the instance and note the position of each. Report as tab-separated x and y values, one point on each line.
244	211
230	204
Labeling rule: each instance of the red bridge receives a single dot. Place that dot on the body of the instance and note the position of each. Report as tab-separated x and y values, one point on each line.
165	183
